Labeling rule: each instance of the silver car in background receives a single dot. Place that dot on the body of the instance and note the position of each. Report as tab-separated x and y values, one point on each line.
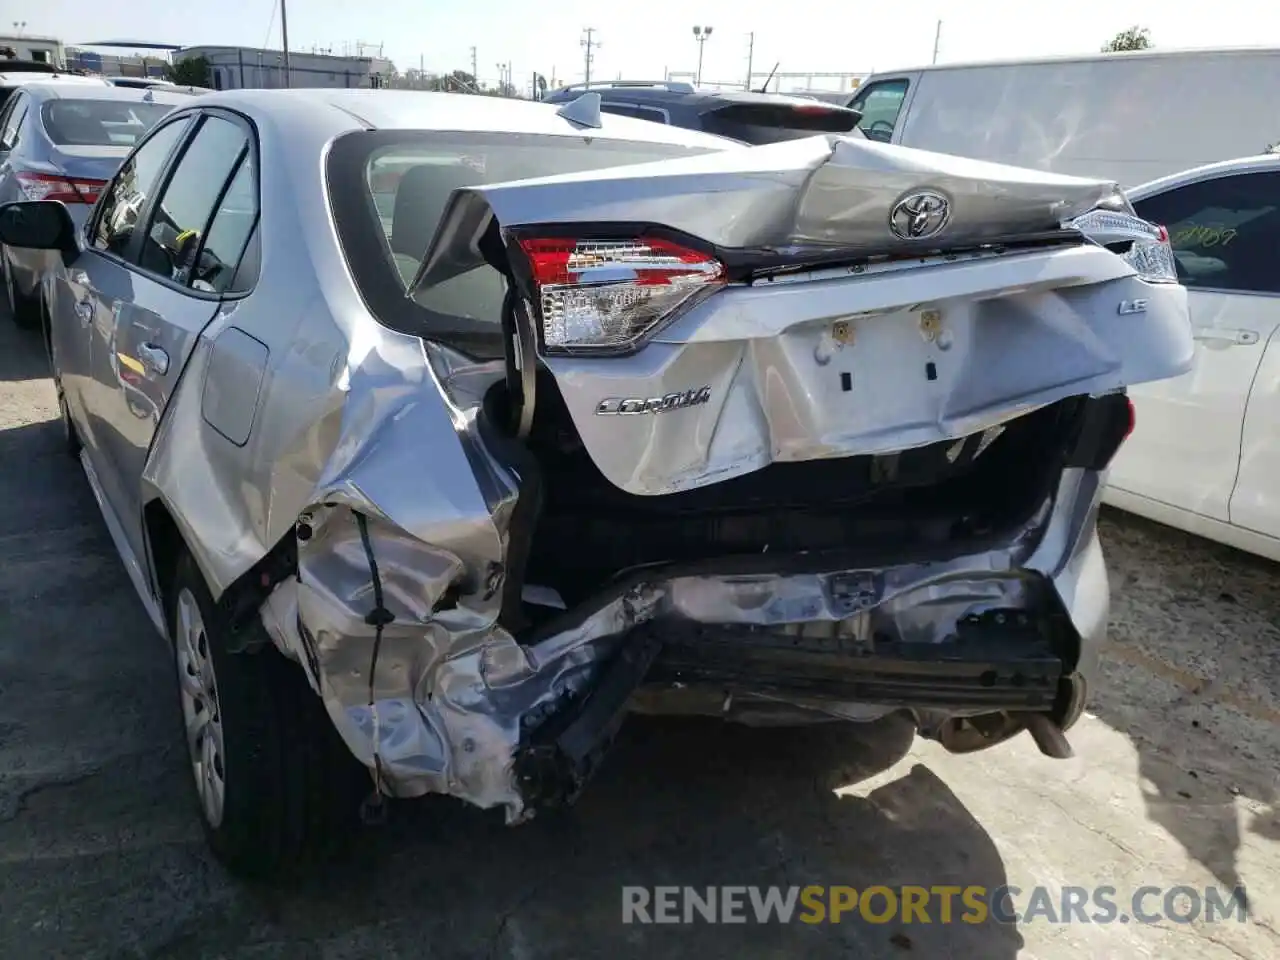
63	141
440	431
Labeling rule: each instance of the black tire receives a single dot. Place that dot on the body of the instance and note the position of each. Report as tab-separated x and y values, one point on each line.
292	789
23	311
70	438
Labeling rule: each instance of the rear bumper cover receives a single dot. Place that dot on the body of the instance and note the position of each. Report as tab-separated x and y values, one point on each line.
524	724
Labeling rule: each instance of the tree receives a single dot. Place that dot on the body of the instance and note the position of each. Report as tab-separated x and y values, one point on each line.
190	72
1135	38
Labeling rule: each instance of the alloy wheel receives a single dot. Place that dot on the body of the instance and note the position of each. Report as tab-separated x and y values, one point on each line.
201	711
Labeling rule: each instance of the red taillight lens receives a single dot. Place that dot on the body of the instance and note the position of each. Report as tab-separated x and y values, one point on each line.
46	186
609	294
1133	420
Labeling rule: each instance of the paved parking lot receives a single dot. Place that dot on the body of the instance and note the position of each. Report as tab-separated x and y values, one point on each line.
101	856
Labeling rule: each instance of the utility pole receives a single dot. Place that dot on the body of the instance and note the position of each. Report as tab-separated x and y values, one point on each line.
589	42
937	37
475	77
284	39
751	49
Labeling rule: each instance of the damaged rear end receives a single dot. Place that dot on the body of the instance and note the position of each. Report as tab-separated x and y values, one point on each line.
803	432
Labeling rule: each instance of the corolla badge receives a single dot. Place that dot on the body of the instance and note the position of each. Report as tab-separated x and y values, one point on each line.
633	406
919	215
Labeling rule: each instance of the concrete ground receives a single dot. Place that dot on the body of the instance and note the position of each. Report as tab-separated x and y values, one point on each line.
101	855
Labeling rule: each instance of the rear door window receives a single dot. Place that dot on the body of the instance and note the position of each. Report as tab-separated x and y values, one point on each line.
1225	231
215	269
179	227
636	111
13	123
880	103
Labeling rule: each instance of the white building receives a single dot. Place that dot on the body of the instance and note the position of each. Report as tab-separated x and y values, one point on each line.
237	68
41	49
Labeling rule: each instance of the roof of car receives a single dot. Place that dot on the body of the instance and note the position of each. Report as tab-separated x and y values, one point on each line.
1158	53
417	110
22	78
1259	163
55	91
679	94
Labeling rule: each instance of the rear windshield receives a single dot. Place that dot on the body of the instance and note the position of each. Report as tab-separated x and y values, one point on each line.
99	123
389	189
758	123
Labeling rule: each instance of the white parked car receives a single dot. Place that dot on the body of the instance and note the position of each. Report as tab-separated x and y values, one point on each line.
1205	456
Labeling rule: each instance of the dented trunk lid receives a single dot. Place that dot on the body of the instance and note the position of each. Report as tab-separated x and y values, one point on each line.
934	323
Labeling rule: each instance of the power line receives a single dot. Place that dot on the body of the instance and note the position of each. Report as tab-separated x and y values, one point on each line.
589	42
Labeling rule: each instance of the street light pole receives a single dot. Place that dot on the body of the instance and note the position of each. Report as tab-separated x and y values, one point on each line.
284	39
701	34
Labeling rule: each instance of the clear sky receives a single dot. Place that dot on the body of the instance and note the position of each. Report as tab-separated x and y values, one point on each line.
643	39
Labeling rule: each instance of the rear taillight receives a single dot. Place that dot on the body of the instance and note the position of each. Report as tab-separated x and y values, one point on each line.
46	186
1132	421
1144	246
609	295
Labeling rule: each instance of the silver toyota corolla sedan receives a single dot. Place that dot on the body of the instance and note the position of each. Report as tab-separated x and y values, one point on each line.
437	432
63	141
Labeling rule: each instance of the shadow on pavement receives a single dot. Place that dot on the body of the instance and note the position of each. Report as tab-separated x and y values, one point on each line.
1189	677
680	803
22	352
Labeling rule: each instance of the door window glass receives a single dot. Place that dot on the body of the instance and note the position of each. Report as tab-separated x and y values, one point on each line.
134	183
631	110
1225	232
880	103
181	216
9	136
215	269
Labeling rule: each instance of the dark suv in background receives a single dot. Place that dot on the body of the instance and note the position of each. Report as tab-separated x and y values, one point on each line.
750	117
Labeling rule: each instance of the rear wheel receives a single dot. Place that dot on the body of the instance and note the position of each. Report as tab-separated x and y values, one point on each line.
70	439
277	788
23	311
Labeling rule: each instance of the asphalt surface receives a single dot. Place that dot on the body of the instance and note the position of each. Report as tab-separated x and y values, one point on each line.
1175	782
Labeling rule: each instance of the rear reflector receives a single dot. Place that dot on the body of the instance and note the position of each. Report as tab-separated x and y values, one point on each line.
609	295
45	186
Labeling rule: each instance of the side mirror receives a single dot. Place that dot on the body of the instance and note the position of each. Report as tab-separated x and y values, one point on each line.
39	225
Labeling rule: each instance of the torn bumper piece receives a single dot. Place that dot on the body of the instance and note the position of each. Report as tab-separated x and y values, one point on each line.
456	705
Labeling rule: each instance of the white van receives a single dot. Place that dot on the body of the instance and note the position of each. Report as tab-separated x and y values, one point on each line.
1129	117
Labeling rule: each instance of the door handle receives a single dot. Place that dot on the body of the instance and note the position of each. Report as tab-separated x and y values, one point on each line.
84	310
154	358
1223	337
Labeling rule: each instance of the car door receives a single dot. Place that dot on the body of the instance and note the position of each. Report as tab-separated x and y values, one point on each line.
1255	503
84	296
1185	450
181	263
